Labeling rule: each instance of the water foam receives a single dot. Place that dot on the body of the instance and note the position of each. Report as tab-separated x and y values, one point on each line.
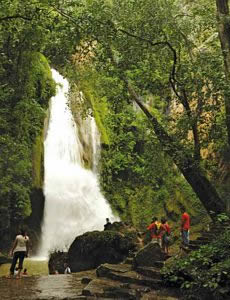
73	201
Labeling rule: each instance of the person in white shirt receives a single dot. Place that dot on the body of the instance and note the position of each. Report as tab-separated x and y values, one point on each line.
67	269
19	252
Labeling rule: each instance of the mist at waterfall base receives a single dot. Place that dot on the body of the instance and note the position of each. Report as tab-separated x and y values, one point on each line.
73	201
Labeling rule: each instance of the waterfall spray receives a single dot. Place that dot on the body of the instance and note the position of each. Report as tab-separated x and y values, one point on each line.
73	201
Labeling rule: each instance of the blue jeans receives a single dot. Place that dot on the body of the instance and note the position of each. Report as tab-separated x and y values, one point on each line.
17	255
185	237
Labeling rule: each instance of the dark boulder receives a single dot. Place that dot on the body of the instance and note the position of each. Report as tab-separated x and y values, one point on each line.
4	259
91	249
148	256
56	262
128	231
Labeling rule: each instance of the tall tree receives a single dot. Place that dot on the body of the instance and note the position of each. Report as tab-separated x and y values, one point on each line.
164	60
223	18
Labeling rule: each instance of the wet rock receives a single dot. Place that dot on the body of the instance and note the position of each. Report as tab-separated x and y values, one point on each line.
105	269
125	274
149	272
96	287
101	288
122	293
129	232
128	260
148	256
86	280
91	249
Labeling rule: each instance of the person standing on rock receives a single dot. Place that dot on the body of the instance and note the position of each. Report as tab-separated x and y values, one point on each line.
108	224
165	235
19	251
185	226
156	230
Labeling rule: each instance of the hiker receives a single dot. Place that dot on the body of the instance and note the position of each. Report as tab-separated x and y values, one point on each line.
67	269
156	230
19	251
165	235
108	224
185	226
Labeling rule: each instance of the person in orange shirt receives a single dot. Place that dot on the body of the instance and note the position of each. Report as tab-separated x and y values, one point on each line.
185	226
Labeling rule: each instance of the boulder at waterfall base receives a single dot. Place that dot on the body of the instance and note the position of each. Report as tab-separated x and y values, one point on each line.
91	249
56	262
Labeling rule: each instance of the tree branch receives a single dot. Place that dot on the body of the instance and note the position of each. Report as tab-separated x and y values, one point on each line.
173	82
15	17
65	15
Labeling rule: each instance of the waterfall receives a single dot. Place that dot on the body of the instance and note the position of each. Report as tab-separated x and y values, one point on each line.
73	201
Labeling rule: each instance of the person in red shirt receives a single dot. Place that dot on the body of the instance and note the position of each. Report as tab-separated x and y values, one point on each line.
185	226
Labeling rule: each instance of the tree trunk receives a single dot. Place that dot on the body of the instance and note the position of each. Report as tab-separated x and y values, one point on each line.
189	167
223	18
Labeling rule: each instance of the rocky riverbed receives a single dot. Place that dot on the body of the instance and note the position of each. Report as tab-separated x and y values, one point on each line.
108	281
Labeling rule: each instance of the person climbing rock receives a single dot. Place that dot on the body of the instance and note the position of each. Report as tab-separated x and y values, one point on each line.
19	251
185	226
108	224
165	235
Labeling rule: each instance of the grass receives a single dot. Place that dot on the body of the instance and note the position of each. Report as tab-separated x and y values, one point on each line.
34	267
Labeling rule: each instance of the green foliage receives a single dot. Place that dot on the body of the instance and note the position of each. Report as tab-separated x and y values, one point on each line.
222	218
167	51
135	174
174	66
26	86
15	179
203	272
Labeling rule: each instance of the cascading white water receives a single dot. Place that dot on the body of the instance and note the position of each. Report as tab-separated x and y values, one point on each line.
73	201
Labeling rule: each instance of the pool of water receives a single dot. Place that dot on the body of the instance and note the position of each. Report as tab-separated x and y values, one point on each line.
42	287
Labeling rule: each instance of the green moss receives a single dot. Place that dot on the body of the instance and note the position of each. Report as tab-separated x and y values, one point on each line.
100	110
36	78
38	153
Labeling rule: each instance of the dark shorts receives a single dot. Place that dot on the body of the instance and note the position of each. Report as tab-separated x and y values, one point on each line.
165	240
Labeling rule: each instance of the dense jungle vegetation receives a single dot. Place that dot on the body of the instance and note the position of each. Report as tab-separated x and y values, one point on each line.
154	74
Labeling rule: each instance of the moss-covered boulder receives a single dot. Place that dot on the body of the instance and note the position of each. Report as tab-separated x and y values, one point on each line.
91	249
129	232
